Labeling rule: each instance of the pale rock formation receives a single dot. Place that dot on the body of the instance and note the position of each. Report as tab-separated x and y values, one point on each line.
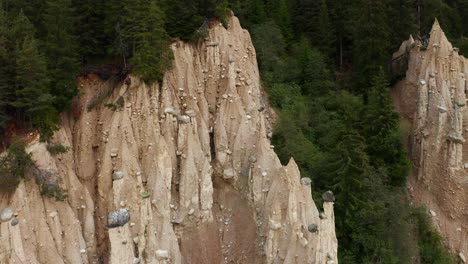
191	162
432	98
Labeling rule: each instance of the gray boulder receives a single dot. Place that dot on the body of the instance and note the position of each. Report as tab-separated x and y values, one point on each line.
118	218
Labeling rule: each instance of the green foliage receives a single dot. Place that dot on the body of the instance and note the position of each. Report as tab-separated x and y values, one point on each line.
34	102
182	19
268	55
381	126
52	190
345	141
104	92
430	243
371	41
14	164
90	15
57	148
61	51
143	30
119	104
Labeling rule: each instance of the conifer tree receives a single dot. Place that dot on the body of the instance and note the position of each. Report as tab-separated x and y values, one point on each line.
325	37
182	19
89	15
371	41
33	102
281	13
143	30
381	128
5	73
60	46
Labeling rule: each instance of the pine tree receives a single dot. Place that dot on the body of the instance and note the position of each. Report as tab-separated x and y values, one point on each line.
315	77
143	30
371	41
89	16
61	51
5	70
281	13
312	18
32	9
33	103
325	33
381	128
403	20
182	19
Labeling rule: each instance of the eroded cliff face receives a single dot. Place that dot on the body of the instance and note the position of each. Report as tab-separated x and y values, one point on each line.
192	163
432	98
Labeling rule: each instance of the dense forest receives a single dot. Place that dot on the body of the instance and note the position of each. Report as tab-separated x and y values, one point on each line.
327	76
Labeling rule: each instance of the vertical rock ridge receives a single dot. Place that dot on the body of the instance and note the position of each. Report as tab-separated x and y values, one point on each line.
432	98
185	204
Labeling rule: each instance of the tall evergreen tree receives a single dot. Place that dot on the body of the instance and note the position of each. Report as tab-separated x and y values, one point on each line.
312	18
182	19
402	14
371	41
381	128
143	30
61	51
281	12
89	15
5	70
33	102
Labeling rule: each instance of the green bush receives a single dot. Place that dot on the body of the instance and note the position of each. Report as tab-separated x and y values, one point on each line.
431	247
53	190
14	164
57	148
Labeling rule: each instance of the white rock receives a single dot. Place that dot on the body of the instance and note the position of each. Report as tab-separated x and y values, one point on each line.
462	257
306	181
171	110
274	225
442	109
162	254
6	214
229	173
118	175
184	119
433	214
114	152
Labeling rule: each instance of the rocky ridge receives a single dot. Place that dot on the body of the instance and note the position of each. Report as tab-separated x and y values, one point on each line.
179	173
432	101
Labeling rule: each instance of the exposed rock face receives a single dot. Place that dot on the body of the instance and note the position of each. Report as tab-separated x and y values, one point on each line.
190	161
433	99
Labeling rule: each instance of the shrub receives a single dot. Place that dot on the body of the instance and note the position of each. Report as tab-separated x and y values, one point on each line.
104	93
431	247
53	190
57	148
14	164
